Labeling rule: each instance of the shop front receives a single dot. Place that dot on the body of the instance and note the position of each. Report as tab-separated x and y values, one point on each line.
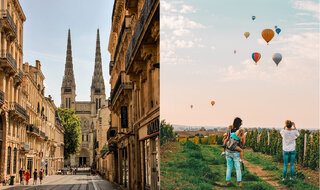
149	144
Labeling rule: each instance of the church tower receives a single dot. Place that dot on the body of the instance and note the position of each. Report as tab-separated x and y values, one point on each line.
98	95
68	88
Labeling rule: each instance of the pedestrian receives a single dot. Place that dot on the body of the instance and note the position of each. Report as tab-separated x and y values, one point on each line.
35	177
27	177
233	156
20	174
41	176
289	137
23	177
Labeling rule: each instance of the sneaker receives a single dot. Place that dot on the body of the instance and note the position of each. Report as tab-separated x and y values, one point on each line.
223	153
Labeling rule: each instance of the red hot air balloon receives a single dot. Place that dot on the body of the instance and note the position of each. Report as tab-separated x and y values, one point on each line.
267	35
256	57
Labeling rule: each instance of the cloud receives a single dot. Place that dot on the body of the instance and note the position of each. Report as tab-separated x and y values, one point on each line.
303	14
300	54
307	23
177	7
310	6
187	9
213	48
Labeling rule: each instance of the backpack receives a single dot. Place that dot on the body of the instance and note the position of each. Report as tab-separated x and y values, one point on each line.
231	143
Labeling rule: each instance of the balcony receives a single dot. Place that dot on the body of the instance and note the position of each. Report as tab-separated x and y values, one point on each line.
138	30
122	83
8	61
25	147
112	132
1	97
18	110
42	134
125	25
32	129
8	23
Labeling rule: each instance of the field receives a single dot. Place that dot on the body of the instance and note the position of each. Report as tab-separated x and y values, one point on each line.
191	166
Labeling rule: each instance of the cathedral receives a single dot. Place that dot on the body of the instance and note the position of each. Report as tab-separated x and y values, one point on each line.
85	110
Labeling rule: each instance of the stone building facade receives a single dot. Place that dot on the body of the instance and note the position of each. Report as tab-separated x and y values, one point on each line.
23	128
86	110
133	137
44	140
13	116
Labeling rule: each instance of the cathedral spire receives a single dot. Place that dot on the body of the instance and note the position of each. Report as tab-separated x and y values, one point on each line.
97	79
68	78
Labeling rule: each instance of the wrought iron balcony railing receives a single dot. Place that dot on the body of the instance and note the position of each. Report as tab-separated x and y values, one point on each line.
33	129
112	132
5	55
42	134
18	109
1	97
122	81
125	25
144	15
5	15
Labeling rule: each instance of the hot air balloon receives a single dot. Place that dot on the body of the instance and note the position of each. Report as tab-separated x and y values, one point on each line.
212	102
267	35
277	57
191	106
253	17
278	30
256	56
246	34
235	51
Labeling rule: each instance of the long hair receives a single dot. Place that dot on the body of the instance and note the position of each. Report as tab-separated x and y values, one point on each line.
237	122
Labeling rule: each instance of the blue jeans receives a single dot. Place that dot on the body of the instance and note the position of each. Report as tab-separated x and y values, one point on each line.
233	157
286	155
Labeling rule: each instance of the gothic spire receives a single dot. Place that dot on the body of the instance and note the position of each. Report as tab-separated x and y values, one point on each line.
97	78
68	78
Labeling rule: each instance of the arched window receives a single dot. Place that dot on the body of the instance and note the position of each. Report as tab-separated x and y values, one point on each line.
9	160
14	160
1	123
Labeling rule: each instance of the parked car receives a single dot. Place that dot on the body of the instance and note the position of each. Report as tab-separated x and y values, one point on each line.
59	172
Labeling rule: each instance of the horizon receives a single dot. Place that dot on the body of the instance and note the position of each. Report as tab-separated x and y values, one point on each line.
199	63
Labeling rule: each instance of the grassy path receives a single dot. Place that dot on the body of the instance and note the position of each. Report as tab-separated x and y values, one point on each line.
202	167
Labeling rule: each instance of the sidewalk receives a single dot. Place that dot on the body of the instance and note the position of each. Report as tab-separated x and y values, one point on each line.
45	180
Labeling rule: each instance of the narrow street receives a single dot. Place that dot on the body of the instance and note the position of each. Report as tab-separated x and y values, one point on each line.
68	182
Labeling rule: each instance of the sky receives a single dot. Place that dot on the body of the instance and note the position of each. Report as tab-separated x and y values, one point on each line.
45	39
198	39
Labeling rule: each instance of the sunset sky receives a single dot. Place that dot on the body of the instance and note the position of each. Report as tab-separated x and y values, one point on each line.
198	64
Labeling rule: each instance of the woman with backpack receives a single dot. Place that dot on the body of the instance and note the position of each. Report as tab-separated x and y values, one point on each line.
289	137
232	154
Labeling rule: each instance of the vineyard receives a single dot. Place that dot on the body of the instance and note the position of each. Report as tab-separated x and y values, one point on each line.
270	142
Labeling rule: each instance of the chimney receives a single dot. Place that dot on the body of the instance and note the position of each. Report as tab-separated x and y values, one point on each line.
38	65
26	67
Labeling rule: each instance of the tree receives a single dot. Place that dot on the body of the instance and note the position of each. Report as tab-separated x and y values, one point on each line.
72	132
166	132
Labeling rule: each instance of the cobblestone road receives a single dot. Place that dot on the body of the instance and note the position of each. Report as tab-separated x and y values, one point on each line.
68	182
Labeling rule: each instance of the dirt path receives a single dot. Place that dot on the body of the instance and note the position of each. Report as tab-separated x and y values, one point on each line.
264	175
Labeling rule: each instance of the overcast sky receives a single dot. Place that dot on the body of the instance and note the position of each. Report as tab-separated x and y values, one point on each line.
198	39
45	39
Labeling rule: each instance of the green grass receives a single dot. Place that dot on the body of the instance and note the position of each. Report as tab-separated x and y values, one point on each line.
276	169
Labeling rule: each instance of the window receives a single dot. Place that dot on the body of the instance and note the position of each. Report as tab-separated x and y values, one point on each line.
13	130
82	137
14	160
18	128
9	160
69	102
87	137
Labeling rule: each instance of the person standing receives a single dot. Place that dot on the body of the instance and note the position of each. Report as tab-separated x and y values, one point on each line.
41	176
27	177
20	174
289	137
35	177
23	176
233	157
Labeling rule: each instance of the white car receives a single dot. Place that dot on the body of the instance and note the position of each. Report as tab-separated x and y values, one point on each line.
59	172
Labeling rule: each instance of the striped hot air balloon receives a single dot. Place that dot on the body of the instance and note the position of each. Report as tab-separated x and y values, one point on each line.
256	57
267	35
